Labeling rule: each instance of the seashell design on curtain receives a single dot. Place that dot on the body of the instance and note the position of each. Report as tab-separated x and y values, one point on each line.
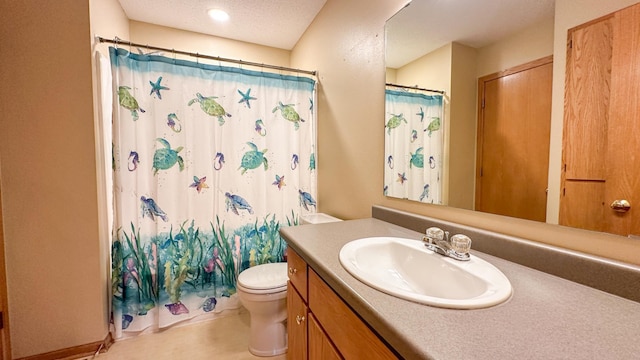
208	163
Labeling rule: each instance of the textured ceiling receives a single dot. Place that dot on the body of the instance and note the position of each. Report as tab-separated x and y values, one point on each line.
275	23
426	25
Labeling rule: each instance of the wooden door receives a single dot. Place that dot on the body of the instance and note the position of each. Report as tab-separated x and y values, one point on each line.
623	159
513	141
586	114
602	137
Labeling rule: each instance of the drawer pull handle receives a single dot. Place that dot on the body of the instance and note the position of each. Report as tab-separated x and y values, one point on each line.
292	271
299	319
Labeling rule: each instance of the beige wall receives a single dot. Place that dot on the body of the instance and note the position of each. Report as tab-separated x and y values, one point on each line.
530	44
56	298
345	43
144	33
391	75
432	71
462	109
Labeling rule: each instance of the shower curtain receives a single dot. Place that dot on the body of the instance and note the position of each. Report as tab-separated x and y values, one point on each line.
208	163
414	145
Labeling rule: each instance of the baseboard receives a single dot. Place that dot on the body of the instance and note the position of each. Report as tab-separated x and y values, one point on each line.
75	352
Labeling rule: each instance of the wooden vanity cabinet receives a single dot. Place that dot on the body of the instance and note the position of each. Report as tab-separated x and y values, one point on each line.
320	325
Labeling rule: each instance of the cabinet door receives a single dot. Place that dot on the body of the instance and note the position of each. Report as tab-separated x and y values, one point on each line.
297	314
320	347
353	338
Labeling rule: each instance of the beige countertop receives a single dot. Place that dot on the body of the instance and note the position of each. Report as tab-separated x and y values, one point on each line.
547	317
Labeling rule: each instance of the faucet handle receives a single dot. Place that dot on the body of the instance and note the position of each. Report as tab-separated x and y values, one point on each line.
461	244
434	233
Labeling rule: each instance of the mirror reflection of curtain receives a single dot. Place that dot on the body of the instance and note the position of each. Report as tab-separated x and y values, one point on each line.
208	163
414	145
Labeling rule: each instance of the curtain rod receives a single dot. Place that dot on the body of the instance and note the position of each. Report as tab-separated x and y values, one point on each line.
197	55
415	88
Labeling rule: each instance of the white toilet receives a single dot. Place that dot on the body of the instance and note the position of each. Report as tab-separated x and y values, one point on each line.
262	290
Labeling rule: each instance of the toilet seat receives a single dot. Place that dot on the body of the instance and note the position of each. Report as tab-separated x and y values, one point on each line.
264	279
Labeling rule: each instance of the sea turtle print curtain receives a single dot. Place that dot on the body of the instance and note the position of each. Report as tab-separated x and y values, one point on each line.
414	145
209	162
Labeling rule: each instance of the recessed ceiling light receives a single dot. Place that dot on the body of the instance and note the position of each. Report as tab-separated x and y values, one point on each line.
218	15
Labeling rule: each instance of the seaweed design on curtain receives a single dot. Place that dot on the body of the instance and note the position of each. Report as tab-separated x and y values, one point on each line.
209	162
414	144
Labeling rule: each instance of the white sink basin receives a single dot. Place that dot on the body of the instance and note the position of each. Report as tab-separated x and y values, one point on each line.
406	269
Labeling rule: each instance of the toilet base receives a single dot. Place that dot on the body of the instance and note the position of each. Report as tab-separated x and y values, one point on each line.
268	339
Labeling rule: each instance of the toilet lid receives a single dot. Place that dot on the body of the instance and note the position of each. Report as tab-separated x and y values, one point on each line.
265	276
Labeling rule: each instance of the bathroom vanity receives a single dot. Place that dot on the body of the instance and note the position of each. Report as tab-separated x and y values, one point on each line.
317	319
334	315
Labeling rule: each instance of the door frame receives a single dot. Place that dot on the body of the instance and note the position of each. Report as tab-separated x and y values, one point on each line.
5	343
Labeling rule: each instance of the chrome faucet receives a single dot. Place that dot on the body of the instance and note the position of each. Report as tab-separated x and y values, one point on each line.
437	240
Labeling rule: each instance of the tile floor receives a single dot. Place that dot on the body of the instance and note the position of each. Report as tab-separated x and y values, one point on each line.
222	338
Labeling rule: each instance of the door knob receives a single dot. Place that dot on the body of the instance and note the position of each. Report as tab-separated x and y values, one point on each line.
620	205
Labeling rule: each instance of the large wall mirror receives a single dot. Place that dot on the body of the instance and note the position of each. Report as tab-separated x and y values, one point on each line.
452	47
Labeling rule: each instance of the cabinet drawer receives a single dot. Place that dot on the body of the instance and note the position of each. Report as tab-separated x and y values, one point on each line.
297	272
349	334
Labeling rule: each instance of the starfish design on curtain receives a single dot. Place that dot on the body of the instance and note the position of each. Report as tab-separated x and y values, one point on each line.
246	97
156	87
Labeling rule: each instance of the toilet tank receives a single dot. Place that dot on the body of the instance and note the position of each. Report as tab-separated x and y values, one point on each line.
317	218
